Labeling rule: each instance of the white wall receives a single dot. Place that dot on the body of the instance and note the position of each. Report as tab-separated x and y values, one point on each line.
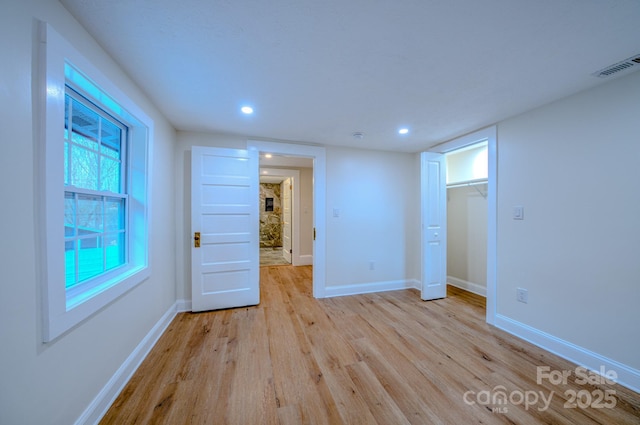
53	383
467	164
467	237
573	165
375	194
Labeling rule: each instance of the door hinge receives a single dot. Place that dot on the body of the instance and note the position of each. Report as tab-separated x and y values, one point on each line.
314	233
196	240
291	251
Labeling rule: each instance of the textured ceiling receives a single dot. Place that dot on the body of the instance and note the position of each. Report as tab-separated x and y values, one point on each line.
318	71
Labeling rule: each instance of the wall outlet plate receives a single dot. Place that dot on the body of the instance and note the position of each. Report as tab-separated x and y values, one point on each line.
522	295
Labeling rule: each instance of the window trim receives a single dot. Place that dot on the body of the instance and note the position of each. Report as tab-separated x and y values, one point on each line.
59	62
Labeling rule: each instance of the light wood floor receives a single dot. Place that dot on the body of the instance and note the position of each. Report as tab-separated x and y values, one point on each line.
386	358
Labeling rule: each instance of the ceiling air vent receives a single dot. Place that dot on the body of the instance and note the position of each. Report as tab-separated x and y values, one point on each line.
632	62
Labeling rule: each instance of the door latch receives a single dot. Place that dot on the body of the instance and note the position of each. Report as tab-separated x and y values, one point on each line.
196	239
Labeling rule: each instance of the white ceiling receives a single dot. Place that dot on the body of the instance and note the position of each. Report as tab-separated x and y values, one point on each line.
318	71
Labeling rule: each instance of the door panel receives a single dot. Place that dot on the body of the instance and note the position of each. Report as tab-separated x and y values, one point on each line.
224	197
434	226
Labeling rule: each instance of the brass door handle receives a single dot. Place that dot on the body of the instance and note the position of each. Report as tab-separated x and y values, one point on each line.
196	239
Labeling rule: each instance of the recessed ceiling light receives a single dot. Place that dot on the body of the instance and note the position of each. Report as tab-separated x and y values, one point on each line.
403	131
268	155
247	110
358	135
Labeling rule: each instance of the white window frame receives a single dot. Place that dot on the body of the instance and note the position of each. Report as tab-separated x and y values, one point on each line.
58	63
75	293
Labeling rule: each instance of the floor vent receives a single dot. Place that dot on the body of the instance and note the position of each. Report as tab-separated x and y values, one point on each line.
632	62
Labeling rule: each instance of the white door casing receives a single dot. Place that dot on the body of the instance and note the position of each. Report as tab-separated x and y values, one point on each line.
224	210
318	153
286	190
488	134
434	225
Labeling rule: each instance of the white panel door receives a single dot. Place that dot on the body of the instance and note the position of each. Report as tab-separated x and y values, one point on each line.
434	226
224	221
286	190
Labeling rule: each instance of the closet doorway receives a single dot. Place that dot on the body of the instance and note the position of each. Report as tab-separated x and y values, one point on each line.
467	189
435	267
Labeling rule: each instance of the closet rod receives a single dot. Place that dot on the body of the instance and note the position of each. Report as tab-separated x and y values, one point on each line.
468	183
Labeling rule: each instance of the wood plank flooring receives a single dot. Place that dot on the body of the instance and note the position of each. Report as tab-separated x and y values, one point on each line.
386	358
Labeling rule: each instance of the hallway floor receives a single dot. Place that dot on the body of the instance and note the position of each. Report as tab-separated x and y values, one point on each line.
272	257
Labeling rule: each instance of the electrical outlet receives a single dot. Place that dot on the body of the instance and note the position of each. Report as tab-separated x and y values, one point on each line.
522	295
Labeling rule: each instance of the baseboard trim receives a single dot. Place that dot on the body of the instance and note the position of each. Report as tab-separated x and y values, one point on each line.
304	260
627	376
366	288
475	288
105	398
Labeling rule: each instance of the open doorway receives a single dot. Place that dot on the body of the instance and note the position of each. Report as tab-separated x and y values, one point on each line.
282	223
314	212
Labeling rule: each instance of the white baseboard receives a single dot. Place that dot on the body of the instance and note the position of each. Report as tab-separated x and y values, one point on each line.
366	288
105	398
304	260
627	376
475	288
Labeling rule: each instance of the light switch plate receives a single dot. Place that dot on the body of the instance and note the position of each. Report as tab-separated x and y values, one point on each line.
518	212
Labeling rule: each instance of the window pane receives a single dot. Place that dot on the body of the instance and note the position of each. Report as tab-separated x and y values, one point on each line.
66	163
95	224
114	214
90	258
89	215
109	174
111	135
115	250
84	168
110	151
84	124
69	263
69	214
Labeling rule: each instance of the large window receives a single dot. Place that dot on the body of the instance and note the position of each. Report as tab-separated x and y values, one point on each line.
93	188
95	200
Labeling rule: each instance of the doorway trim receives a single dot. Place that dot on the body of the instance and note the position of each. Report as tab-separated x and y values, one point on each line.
488	134
318	154
295	175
